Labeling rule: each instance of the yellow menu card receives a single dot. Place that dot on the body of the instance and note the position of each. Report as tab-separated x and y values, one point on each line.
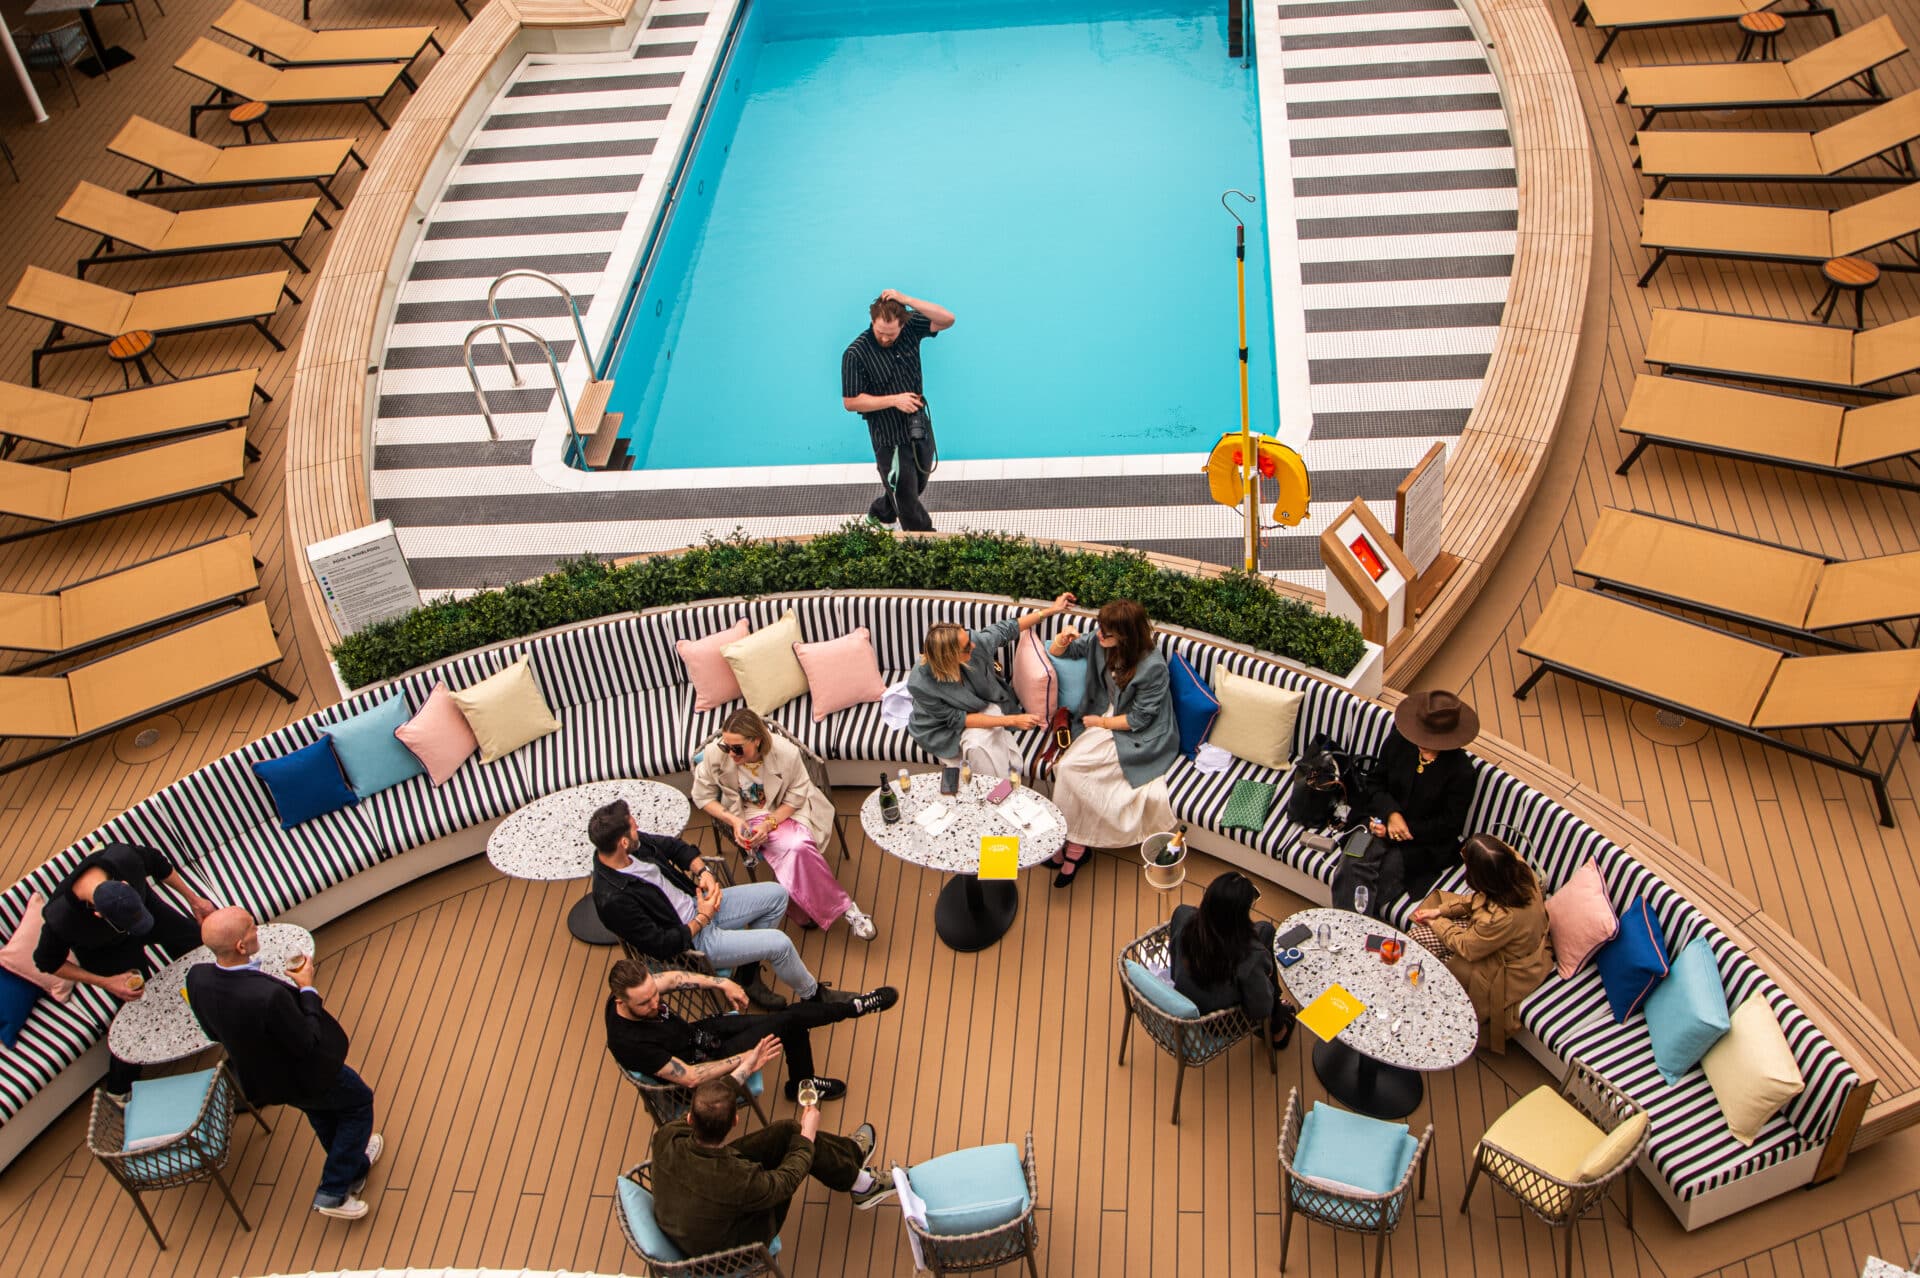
999	856
1332	1012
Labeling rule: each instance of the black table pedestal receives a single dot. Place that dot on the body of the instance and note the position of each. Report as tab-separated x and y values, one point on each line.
970	915
584	922
1364	1085
112	54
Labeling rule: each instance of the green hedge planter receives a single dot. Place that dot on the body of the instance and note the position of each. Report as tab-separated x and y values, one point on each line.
1236	606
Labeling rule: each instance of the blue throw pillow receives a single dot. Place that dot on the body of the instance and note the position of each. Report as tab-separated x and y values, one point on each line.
1072	673
305	784
1634	961
17	997
1161	993
371	756
1687	1014
1194	705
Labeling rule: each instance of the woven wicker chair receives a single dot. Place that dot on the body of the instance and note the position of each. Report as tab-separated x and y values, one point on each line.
736	1262
1348	1210
1018	1239
1189	1041
668	1102
816	772
198	1153
1560	1202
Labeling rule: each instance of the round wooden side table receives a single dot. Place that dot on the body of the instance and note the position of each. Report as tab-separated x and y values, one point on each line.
249	116
136	348
1853	275
1762	33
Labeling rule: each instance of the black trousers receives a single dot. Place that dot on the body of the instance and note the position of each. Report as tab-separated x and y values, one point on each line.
904	484
173	934
791	1025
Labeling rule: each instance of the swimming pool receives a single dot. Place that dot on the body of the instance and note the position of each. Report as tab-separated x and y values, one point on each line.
1051	171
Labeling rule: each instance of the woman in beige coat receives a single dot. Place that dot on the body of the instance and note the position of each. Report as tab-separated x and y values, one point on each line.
1494	939
757	784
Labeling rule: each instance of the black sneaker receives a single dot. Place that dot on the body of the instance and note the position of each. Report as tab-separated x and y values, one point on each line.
875	1000
830	1089
763	998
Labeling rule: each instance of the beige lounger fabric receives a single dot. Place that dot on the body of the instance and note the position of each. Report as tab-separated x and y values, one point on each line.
109	312
1845	688
36	706
30	623
292	43
195	162
1867	590
128	416
1740	83
1785	154
129	599
150	227
1697	564
1760	230
44	493
1745	421
42	416
1786	350
1633	13
234	71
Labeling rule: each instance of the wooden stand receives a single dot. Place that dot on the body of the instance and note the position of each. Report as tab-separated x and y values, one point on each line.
1421	496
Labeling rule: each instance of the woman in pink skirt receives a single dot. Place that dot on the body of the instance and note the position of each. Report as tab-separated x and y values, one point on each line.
757	783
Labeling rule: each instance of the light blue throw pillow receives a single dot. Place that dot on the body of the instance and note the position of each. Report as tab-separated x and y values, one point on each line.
1160	993
373	758
1687	1012
1072	673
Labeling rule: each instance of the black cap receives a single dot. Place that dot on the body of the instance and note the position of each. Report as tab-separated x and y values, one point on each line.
120	905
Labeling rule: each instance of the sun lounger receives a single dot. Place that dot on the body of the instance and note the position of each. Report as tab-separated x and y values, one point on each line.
1749	581
1783	352
184	308
143	232
1798	82
125	687
200	166
53	499
306	10
144	415
1884	133
1770	233
85	615
237	78
1774	430
1617	17
290	44
1746	688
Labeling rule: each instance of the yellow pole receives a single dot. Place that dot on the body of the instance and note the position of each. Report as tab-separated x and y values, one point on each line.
1250	472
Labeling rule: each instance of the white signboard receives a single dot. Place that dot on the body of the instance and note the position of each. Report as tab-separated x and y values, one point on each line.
1422	494
363	576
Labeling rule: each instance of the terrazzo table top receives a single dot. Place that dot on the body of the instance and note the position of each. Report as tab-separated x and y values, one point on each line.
547	839
956	850
159	1026
1430	1026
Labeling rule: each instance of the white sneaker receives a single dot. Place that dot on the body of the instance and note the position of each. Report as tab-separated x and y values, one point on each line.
374	1147
861	924
350	1208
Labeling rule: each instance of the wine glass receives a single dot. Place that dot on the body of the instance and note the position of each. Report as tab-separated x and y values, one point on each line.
1362	898
1324	935
807	1093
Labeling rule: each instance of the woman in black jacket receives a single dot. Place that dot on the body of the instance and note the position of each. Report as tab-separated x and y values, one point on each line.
1221	958
1420	792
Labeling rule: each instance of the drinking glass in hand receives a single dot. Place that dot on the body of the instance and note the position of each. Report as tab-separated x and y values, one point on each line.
1362	898
807	1093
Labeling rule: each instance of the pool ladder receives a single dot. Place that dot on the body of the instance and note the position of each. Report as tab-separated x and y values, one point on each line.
594	437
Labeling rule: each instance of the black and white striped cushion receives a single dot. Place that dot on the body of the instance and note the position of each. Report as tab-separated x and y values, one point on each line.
640	735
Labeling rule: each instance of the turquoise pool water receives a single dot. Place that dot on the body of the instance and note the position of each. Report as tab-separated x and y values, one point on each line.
1050	171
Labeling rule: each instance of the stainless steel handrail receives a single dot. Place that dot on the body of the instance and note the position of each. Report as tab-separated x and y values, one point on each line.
573	309
500	328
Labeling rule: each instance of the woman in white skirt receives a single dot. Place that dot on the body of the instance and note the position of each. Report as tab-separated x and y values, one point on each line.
961	694
1111	782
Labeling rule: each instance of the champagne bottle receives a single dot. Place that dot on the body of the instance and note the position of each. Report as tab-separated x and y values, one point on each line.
889	803
1176	846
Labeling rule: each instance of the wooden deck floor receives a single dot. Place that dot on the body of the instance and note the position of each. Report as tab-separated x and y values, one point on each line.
506	1123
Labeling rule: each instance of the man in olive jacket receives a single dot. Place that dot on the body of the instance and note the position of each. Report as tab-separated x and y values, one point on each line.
709	1195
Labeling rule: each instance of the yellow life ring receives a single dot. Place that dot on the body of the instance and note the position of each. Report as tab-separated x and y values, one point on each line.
1276	462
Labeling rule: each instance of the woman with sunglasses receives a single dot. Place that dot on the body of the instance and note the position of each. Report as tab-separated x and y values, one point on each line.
1221	958
757	784
961	694
1111	783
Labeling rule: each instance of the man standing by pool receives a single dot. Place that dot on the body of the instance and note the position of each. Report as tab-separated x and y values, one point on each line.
880	380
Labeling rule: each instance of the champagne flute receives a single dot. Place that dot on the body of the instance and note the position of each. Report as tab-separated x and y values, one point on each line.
807	1093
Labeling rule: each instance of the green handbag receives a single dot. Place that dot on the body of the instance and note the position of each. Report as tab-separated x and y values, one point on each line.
1248	805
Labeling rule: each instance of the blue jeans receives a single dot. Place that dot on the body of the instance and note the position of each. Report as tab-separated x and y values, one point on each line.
343	1120
747	930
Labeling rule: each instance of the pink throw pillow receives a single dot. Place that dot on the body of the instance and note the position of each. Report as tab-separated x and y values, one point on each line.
713	680
17	954
1580	919
841	672
1035	681
439	736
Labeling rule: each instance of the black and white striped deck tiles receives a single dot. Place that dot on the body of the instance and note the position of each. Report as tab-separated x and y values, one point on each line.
1388	166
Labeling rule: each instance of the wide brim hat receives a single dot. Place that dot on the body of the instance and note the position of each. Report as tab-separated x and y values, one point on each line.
1436	720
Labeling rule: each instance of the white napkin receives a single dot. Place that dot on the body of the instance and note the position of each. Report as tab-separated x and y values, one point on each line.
1210	759
1025	813
914	1208
938	819
896	706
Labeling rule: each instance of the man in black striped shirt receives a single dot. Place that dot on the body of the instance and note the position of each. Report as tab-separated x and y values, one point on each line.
880	380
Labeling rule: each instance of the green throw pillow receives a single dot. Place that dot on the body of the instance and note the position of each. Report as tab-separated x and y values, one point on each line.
1248	805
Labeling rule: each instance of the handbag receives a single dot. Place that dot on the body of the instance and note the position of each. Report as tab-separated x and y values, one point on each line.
1370	863
1059	737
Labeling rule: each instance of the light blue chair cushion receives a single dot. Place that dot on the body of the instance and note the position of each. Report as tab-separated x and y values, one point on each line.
305	784
372	757
971	1190
161	1109
755	1083
1687	1012
1160	993
1634	961
1194	705
636	1204
17	997
1350	1149
1073	674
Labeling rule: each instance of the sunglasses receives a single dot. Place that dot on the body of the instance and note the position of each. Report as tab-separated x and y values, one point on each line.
737	751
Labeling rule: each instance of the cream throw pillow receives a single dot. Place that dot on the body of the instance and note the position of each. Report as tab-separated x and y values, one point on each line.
1256	720
1752	1070
1602	1158
506	711
769	674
